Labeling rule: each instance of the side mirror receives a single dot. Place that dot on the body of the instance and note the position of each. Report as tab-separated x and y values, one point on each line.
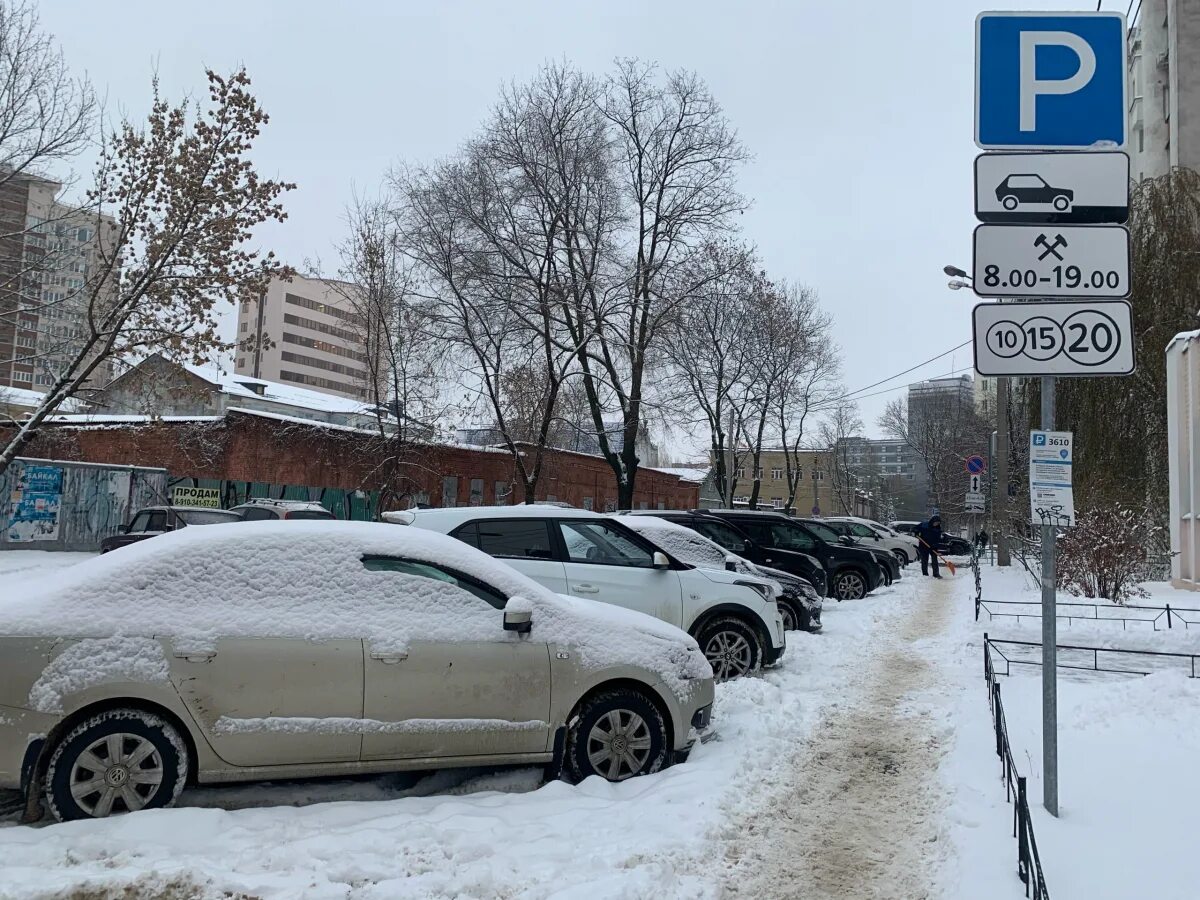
844	539
661	561
730	563
518	615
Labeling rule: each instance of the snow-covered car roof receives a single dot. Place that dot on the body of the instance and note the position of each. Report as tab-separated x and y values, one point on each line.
307	579
683	543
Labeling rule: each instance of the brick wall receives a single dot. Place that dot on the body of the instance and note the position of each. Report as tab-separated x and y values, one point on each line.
243	447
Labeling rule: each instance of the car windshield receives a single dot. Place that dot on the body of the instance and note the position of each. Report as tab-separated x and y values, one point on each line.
205	516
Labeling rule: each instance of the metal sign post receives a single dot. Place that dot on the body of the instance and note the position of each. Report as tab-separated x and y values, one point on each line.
1052	231
1049	636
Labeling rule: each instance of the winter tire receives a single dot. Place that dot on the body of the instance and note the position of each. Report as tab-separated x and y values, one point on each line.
617	734
732	647
792	618
118	761
849	585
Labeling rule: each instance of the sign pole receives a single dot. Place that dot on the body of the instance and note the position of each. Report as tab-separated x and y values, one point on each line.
1049	637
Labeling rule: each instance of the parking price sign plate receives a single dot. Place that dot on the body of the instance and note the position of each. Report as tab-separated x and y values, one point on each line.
1051	496
1054	338
1051	261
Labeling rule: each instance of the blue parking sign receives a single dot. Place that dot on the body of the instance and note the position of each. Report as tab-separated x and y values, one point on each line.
1052	81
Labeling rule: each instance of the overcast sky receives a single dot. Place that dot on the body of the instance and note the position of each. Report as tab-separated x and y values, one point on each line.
858	113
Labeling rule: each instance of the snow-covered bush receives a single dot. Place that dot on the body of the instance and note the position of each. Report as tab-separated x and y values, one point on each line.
1104	555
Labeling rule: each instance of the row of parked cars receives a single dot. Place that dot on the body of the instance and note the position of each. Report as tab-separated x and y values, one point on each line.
543	635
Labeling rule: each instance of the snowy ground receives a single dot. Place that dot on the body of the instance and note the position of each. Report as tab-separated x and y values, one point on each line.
1129	787
862	767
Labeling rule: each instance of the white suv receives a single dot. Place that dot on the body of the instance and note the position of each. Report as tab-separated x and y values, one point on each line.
733	616
902	546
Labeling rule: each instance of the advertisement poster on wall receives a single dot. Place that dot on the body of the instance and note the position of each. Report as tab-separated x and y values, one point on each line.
34	505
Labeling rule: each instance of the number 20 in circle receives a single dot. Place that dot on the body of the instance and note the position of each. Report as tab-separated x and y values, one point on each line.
1092	337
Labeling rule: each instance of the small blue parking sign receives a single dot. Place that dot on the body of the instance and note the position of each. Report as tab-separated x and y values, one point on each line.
1053	81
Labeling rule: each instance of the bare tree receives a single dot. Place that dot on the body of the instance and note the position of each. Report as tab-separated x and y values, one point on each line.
401	355
174	203
839	425
46	114
675	158
711	350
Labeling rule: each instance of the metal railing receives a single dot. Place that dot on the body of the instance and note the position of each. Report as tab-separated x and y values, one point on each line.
1029	862
1072	656
1094	612
975	570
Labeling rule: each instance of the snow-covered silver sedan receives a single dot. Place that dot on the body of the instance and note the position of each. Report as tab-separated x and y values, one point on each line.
298	649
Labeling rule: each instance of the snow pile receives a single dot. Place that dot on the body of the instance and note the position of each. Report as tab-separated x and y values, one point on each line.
94	661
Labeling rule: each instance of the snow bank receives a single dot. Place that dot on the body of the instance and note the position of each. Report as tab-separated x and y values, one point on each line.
307	580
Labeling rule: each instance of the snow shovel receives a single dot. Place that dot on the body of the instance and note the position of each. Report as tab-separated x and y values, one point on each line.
949	565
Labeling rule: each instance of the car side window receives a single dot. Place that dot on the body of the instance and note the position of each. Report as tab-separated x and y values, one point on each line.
253	513
140	522
722	534
596	542
157	521
789	537
862	530
434	573
762	533
514	538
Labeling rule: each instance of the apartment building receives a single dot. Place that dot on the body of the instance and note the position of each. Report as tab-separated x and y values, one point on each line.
48	252
1164	87
312	336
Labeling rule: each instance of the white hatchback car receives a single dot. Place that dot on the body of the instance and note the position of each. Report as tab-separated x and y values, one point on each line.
733	615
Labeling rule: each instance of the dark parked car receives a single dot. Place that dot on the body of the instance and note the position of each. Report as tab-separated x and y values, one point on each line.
951	544
737	542
839	532
853	571
259	508
155	520
1017	189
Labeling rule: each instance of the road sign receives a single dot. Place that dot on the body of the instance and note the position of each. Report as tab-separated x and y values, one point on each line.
1054	338
975	464
1051	261
1053	81
974	485
974	505
1051	497
1061	188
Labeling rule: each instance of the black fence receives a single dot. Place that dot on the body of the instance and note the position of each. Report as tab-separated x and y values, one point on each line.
1159	618
1088	659
1029	863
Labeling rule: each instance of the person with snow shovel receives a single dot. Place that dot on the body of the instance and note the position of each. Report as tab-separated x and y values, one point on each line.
929	537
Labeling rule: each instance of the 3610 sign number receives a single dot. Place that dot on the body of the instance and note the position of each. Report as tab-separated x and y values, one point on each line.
1088	337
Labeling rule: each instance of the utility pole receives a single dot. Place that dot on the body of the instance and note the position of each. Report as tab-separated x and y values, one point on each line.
1000	498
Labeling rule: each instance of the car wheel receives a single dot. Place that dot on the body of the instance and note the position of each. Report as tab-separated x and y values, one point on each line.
1009	202
791	616
887	575
118	761
1061	203
731	647
901	557
849	585
616	734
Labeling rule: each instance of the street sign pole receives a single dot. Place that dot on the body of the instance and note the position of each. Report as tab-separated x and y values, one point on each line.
1049	637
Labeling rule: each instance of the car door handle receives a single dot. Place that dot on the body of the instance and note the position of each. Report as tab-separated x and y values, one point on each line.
586	589
389	659
195	656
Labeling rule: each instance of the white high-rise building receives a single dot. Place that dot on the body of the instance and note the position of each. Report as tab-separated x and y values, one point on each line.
313	335
1164	87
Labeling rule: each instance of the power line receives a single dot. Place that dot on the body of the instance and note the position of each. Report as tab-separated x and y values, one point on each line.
831	403
851	394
